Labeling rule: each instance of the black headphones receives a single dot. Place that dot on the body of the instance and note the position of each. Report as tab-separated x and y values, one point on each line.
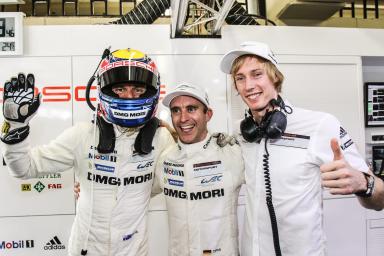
272	125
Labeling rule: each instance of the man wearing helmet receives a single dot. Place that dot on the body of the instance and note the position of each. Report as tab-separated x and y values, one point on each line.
113	163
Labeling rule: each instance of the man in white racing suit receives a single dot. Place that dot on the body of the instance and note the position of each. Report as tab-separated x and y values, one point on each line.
200	180
289	154
114	162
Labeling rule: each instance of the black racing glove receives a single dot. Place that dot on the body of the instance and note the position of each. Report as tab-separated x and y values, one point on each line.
19	106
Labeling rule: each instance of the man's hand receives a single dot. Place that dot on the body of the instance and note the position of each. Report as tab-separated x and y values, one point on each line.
339	177
19	106
19	103
172	131
223	139
76	189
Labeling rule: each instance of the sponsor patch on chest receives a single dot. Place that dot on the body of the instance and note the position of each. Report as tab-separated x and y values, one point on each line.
142	166
195	195
173	169
173	182
291	140
102	162
207	169
115	181
104	168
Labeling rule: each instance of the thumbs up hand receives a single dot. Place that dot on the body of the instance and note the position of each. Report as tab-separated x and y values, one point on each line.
339	177
337	154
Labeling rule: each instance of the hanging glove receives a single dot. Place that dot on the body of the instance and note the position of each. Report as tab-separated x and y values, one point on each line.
223	139
19	106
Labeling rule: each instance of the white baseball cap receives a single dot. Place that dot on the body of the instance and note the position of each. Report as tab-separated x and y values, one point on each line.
255	48
186	89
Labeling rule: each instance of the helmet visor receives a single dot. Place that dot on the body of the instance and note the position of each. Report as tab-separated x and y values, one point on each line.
128	75
128	112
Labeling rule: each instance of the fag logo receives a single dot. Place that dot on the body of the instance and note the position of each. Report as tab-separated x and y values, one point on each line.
54	244
55	186
39	186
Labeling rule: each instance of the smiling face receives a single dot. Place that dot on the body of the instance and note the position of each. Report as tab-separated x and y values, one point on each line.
189	118
255	85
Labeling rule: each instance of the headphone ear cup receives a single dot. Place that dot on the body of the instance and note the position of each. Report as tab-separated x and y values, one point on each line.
276	125
250	131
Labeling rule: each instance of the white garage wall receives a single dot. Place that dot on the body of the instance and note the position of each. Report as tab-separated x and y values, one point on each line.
64	57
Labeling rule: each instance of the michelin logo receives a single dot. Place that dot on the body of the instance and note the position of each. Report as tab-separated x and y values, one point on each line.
104	168
178	183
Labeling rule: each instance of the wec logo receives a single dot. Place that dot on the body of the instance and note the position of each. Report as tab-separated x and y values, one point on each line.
212	179
146	165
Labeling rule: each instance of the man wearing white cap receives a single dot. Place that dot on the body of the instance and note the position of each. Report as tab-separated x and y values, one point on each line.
290	153
200	180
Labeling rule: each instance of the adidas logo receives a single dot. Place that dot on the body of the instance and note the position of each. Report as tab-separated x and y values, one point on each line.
54	244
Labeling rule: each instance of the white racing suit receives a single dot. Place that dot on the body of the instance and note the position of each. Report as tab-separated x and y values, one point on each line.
121	190
201	184
294	166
